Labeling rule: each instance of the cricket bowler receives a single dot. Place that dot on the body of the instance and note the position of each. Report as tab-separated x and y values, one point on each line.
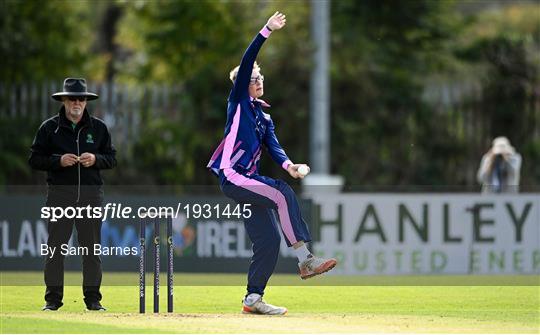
236	163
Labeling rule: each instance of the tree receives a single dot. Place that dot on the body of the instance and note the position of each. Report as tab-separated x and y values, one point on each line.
41	39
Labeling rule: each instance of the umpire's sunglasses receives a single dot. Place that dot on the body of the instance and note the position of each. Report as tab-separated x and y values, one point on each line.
81	99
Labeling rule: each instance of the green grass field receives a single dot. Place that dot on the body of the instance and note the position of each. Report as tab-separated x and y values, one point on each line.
312	308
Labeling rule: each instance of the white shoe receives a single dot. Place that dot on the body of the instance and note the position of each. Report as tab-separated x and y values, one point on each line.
315	266
253	304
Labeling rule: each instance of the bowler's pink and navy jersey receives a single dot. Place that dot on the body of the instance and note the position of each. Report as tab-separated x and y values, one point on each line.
248	128
236	163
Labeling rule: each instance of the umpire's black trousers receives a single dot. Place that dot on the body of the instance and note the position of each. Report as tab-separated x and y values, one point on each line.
88	234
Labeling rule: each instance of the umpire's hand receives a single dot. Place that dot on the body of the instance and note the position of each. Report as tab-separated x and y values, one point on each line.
87	159
68	160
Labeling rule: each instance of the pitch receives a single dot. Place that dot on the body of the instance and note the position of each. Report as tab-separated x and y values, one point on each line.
312	308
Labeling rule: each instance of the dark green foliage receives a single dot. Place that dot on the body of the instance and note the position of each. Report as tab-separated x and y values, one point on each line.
384	54
41	39
508	105
15	140
381	128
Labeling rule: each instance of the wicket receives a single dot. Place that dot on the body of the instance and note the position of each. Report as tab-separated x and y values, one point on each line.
142	266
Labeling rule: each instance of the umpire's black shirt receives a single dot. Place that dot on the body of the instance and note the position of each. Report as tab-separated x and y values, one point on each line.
58	136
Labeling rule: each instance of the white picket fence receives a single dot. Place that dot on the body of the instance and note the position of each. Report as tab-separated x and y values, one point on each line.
120	106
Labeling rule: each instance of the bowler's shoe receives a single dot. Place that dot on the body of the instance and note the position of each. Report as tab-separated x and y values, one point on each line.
313	266
254	304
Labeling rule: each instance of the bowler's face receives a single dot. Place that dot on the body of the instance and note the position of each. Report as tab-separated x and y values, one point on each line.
256	86
74	107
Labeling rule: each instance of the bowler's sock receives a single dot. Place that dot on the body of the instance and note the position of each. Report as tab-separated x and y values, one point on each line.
251	298
302	253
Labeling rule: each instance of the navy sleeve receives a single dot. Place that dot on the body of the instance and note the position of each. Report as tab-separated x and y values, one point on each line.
274	148
241	84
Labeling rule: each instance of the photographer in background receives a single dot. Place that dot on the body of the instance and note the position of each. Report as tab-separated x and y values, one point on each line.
500	167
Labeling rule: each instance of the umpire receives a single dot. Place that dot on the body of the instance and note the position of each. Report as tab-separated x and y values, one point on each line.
73	147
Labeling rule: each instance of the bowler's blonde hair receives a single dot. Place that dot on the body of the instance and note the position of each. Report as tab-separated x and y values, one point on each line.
234	72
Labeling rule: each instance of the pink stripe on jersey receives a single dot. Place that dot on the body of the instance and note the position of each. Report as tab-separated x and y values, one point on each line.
219	149
237	145
254	159
269	192
237	156
252	170
230	139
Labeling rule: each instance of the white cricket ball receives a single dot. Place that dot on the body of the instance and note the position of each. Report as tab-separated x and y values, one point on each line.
303	170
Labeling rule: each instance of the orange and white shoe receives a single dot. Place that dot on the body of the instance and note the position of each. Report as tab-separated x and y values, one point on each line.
254	304
315	266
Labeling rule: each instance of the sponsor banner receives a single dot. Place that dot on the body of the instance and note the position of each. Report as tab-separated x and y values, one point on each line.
389	234
208	235
371	234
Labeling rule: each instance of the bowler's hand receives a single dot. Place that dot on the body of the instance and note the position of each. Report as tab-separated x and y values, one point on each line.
68	160
88	159
293	171
276	21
